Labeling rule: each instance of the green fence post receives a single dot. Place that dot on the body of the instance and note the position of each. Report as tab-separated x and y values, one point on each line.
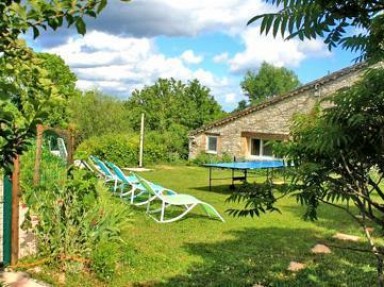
7	220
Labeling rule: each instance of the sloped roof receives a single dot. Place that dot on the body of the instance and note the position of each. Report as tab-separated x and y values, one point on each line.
324	80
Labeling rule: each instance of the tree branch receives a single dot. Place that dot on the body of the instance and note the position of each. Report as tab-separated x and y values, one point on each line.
375	186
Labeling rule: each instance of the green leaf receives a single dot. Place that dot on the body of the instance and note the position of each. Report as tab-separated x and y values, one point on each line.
91	13
253	19
263	25
283	25
80	26
268	25
101	6
291	25
70	19
276	26
36	32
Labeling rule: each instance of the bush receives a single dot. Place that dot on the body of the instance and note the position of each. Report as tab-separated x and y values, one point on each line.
103	260
111	258
76	217
205	158
75	214
123	149
52	173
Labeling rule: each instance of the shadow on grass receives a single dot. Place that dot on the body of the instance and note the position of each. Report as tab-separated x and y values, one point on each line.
261	256
172	212
222	180
228	188
221	189
329	216
334	218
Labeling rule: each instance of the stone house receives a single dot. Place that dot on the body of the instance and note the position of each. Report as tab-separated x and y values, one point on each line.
245	134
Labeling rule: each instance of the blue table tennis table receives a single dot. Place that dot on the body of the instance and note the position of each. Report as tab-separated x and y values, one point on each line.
243	167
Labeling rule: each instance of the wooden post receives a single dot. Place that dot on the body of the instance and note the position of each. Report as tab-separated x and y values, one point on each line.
141	141
71	147
15	210
39	144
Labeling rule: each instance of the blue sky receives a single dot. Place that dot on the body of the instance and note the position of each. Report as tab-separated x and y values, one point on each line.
131	45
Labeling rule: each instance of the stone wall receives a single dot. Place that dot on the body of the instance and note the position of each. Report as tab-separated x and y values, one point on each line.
274	118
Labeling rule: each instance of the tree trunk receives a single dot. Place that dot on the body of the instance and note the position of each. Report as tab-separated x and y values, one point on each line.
39	143
71	146
375	251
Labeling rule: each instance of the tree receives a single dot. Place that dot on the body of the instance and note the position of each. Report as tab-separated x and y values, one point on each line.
169	102
309	19
27	94
112	116
26	91
64	80
268	82
200	104
173	108
241	106
27	97
347	164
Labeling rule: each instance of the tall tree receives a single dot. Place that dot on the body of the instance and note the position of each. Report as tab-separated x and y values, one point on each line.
169	102
240	106
309	19
64	80
268	82
346	165
112	116
172	108
200	104
27	94
26	91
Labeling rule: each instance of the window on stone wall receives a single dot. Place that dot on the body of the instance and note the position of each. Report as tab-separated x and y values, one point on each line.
267	148
261	147
212	144
255	146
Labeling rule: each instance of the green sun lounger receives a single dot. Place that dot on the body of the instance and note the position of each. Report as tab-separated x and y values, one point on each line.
187	202
137	193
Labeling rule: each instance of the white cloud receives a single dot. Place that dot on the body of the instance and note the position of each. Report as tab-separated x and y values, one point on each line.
152	18
189	57
126	63
228	16
221	58
119	53
275	51
185	17
85	85
230	98
101	49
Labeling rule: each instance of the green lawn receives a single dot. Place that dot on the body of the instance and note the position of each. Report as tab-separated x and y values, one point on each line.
199	251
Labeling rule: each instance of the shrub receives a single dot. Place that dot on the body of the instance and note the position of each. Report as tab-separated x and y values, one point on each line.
204	158
75	214
103	260
123	149
76	217
52	173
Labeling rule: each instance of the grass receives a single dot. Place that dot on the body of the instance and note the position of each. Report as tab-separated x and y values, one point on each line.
199	251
